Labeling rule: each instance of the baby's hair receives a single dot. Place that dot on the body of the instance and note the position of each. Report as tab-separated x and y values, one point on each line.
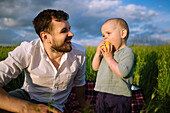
122	23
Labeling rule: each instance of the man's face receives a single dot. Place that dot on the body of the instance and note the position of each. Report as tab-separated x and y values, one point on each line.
61	36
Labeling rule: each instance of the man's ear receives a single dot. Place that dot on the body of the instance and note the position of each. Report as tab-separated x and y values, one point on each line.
123	33
44	36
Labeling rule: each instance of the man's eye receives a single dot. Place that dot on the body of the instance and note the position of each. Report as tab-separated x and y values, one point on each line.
64	30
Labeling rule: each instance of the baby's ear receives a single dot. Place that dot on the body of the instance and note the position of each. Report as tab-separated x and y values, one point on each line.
123	33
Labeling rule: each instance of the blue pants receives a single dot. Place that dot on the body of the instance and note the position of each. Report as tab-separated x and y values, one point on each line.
22	94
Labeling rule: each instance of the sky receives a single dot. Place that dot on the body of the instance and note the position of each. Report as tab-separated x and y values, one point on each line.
148	20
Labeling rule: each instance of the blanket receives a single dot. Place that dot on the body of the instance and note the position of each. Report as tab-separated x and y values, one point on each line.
72	105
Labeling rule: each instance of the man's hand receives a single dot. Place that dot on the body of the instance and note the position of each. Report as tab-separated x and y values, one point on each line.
86	108
13	104
85	105
38	108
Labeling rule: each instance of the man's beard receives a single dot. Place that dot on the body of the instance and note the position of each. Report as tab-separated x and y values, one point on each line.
61	49
66	47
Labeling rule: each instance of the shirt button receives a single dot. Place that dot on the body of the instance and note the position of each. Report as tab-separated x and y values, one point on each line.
55	86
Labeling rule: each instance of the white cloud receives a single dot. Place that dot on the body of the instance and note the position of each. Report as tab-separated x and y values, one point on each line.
10	22
152	13
100	5
136	30
72	7
89	42
134	12
16	23
133	8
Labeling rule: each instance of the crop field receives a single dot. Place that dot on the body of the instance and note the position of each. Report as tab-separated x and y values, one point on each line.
151	74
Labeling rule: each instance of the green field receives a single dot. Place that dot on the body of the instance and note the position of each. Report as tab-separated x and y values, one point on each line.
151	73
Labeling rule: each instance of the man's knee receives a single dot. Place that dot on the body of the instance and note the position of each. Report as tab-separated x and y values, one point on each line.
20	93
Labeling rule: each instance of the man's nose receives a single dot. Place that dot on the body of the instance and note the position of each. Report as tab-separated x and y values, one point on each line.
70	34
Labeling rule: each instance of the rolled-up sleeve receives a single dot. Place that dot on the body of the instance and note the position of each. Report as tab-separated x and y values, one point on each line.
12	66
126	64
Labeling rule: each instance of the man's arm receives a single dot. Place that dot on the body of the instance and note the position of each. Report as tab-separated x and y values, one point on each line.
13	104
80	93
10	103
10	68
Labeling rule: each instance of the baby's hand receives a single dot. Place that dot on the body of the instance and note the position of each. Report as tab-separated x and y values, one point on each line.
107	50
98	51
106	46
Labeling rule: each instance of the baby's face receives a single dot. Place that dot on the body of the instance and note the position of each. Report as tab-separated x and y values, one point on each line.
111	32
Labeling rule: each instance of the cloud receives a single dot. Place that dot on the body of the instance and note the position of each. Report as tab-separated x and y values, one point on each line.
89	42
13	8
135	13
86	19
15	13
166	30
7	33
96	7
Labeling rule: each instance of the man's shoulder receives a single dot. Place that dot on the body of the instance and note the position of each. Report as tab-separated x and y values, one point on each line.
31	43
78	48
31	46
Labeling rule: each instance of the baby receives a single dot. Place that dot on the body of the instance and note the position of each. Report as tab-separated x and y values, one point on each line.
114	61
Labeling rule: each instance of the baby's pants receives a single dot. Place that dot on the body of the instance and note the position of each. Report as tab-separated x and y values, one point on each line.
109	103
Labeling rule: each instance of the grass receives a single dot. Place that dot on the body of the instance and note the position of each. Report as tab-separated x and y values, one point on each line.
151	73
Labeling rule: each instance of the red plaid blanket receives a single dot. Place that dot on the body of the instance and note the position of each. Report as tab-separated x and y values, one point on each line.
72	106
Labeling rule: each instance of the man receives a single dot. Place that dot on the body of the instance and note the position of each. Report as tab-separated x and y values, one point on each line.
52	64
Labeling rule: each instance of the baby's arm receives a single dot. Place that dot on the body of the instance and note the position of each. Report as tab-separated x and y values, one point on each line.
125	64
113	66
96	59
96	62
108	56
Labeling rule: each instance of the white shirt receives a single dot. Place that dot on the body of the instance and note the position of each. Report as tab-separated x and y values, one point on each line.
42	81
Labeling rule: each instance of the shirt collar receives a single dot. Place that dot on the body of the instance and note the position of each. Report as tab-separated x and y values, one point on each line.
42	46
64	57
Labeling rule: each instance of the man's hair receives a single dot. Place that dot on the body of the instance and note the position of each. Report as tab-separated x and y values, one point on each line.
42	22
123	24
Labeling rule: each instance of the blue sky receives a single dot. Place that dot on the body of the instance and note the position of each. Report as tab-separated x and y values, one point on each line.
149	20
